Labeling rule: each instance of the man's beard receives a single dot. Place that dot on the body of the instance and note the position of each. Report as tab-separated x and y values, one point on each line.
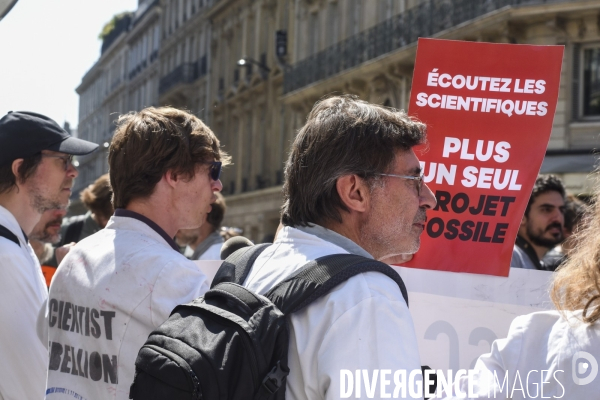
42	204
388	241
45	236
540	240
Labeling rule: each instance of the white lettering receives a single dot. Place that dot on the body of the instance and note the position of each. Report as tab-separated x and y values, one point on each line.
422	99
432	78
346	383
399	384
370	385
451	145
384	383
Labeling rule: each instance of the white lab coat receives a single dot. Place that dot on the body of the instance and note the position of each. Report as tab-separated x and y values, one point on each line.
124	282
541	341
23	357
363	323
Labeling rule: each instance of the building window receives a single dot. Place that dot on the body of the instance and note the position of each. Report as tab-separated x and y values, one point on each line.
313	34
385	10
333	24
353	21
590	88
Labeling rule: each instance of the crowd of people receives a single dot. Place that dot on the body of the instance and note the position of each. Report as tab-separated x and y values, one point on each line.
353	185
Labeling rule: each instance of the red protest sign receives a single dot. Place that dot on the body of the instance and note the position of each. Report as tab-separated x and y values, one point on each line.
489	110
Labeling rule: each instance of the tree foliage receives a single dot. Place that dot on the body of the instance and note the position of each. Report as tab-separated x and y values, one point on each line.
110	25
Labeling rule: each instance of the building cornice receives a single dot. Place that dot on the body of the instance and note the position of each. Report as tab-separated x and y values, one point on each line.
141	23
406	54
220	6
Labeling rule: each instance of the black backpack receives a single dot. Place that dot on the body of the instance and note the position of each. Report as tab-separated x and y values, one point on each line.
232	343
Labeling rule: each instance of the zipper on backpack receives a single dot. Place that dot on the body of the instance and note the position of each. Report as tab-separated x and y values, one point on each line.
195	382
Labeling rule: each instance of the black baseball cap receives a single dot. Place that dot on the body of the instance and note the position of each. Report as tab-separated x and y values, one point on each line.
24	134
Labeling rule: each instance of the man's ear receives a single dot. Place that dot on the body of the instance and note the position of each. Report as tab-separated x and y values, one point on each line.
523	223
172	178
15	169
353	192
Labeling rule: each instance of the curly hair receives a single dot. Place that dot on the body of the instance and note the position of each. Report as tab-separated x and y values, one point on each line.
96	197
576	284
544	184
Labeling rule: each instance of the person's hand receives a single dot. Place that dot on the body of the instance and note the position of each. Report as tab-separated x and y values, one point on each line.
397	259
62	251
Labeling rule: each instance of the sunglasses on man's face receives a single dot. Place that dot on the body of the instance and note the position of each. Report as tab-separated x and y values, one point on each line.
215	170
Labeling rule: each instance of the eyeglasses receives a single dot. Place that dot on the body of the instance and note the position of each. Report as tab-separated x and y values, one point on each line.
215	169
417	179
67	159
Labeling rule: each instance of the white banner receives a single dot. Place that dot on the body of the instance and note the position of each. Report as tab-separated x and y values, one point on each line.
457	316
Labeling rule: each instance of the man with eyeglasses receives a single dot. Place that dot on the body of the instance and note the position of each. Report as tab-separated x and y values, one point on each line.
36	175
118	285
352	185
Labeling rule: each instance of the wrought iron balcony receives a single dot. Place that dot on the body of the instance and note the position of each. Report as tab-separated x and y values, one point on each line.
185	73
423	20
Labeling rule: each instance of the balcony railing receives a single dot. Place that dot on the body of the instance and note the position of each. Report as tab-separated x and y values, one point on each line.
423	20
185	73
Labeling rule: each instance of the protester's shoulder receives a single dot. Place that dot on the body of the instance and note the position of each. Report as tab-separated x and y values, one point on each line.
7	246
136	236
11	253
382	285
178	268
536	319
518	257
556	320
549	323
368	285
97	239
128	249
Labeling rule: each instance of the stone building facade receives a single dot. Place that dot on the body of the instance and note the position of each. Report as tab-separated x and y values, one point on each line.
365	48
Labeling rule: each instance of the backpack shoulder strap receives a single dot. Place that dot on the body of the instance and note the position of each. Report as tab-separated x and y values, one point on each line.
237	266
319	277
73	231
6	233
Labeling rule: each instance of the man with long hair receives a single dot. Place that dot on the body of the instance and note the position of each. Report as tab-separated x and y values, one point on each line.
36	175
